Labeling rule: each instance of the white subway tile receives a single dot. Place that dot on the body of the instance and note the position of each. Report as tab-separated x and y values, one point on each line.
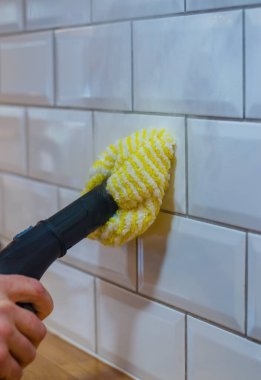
49	13
194	5
25	203
94	67
12	140
217	354
116	125
117	264
60	146
3	242
224	167
189	64
142	337
195	266
11	15
253	62
26	69
254	286
118	9
73	295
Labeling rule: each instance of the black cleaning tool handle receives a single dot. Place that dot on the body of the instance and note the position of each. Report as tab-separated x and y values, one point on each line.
32	251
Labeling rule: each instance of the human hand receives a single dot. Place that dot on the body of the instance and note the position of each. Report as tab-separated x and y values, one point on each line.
21	331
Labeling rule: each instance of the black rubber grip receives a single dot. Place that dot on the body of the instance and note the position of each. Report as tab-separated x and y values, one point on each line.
35	249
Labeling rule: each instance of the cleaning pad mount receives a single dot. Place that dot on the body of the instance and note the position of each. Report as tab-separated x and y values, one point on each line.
137	171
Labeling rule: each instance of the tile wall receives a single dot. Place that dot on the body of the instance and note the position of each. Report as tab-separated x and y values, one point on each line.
183	301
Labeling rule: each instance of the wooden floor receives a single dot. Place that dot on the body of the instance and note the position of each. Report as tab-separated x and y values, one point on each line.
58	360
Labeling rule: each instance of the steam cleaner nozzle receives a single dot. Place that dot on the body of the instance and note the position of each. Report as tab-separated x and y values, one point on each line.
122	199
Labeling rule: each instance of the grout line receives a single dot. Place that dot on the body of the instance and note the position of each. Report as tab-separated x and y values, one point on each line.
127	19
93	136
54	70
212	222
244	62
246	284
186	347
97	276
229	8
222	224
137	264
27	141
39	180
132	68
130	112
95	318
185	6
24	23
59	199
186	166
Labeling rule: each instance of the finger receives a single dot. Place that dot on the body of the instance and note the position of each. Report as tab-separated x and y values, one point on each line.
29	325
9	367
25	289
15	285
21	349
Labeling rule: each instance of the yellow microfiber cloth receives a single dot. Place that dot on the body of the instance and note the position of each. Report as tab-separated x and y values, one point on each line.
136	169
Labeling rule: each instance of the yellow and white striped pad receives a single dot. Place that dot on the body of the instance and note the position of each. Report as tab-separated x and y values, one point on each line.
137	170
